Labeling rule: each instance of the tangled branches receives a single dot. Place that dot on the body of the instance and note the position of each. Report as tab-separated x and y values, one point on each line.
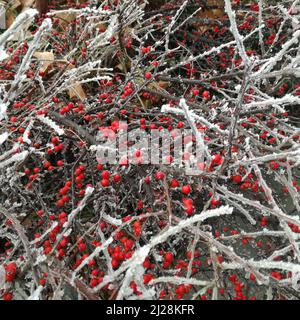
225	90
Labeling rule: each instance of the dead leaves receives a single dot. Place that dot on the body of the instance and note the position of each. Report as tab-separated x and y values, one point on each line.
46	59
64	19
47	62
124	67
214	14
15	7
76	90
26	4
146	103
10	17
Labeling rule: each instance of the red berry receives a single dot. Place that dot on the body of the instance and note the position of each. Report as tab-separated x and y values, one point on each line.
114	263
10	271
217	159
7	296
117	178
42	282
159	175
186	189
274	165
59	163
174	183
169	257
81	247
236	179
147	180
189	209
105	174
105	183
206	95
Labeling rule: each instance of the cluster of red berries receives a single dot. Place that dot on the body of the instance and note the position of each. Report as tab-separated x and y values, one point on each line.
146	50
188	206
57	146
63	193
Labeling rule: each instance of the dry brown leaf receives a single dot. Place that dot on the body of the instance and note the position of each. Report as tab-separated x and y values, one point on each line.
65	18
76	90
101	26
120	66
15	4
158	85
45	58
163	84
210	14
10	17
26	4
10	14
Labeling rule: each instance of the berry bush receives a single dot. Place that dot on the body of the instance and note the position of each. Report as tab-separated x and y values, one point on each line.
76	227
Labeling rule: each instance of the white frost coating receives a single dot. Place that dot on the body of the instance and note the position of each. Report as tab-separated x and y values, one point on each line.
167	108
18	22
36	294
3	55
235	31
179	280
10	151
112	220
288	98
15	158
245	161
91	256
206	53
88	193
40	258
3	137
295	280
266	264
82	12
3	108
185	223
68	232
268	66
47	23
140	254
45	233
216	112
50	123
247	144
199	137
73	214
111	27
2	276
134	271
103	39
216	213
27	132
20	76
